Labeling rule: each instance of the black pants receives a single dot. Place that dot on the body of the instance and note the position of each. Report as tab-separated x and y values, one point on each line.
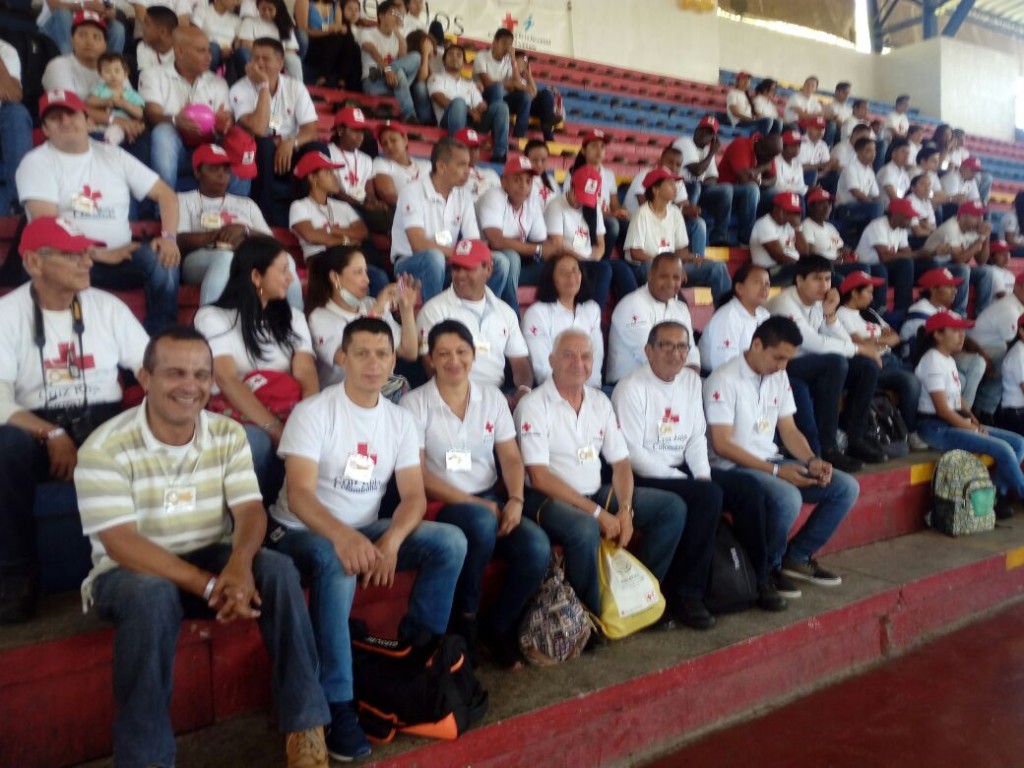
336	59
1011	419
745	502
24	463
827	376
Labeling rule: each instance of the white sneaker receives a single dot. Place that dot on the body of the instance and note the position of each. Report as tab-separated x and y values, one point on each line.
916	443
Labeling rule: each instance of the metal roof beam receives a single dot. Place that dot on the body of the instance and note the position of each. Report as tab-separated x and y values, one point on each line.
957	18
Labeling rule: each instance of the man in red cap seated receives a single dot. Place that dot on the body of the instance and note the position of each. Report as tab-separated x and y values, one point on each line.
278	112
700	177
749	166
57	20
775	243
61	344
92	184
961	184
739	106
481	178
819	235
814	153
356	169
953	244
789	172
884	247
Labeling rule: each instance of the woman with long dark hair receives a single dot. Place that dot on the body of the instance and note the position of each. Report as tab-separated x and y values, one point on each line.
543	182
333	50
274	22
263	361
765	108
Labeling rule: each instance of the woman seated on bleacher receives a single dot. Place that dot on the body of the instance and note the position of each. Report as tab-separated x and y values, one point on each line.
1010	415
274	22
563	301
394	168
947	424
765	108
544	183
333	49
263	360
338	292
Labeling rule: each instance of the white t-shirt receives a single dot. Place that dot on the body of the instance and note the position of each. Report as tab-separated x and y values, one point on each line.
93	190
857	176
949	233
996	325
923	208
855	324
839	110
552	434
253	28
1002	279
767	230
320	216
956	156
330	429
823	239
66	73
147	57
652	235
567	222
765	107
634	316
1013	375
11	61
421	206
167	88
797	100
356	170
492	322
844	154
728	333
494	211
290	107
221	329
412	23
543	321
813	152
789	177
937	373
488	422
635	194
401	175
387	46
896	124
1009	225
197	213
750	403
895	176
326	327
880	232
112	338
693	154
454	87
221	28
819	337
663	424
481	181
738	100
925	309
497	70
544	192
954	184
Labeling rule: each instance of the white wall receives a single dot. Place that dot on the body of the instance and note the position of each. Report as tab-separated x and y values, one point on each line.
978	89
916	70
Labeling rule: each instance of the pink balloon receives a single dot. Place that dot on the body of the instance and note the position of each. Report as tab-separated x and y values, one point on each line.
203	116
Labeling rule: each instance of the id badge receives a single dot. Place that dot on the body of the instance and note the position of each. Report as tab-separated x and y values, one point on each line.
666	429
580	242
359	195
483	347
443	238
210	221
180	500
275	125
458	460
587	454
83	204
359	468
762	424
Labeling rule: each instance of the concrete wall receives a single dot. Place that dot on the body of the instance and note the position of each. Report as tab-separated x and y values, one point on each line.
978	89
916	70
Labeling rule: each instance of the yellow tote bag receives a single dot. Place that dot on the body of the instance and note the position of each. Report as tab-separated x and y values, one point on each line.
631	598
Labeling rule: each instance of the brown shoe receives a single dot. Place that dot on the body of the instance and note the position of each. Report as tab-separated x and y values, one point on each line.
306	749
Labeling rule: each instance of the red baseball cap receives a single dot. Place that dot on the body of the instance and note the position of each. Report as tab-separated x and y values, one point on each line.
709	121
791	137
88	17
657	175
471	254
743	73
858	279
972	163
1000	246
817	194
595	135
818	121
902	206
387	125
469	137
314	161
518	164
941	320
53	232
351	117
240	147
787	201
933	278
971	208
586	182
60	98
210	154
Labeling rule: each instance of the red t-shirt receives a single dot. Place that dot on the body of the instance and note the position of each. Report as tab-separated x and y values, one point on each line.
739	156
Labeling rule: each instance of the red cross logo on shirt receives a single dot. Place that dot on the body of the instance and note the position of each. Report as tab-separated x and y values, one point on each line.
956	378
489	427
68	358
88	192
716	396
526	426
600	433
533	330
636	319
670	417
727	343
664	243
363	449
227	218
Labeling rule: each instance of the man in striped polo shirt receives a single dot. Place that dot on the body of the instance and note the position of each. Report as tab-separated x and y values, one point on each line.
170	501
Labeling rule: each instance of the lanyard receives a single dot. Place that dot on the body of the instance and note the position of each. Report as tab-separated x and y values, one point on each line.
39	337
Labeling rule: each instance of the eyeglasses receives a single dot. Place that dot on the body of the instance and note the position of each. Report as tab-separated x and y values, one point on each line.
70	256
667	346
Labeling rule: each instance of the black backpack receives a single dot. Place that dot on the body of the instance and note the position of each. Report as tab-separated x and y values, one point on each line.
887	428
424	690
733	583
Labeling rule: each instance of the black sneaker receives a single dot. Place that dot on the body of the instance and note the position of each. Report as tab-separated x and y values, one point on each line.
841	461
784	587
345	740
867	451
664	624
467	628
694	614
769	599
810	571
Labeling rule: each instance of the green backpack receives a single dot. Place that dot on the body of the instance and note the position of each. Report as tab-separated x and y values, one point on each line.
963	496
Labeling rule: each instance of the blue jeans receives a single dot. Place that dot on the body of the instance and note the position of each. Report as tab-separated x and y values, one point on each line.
24	465
825	377
599	273
58	29
521	106
526	549
15	142
513	263
659	516
494	121
159	283
959	270
147	612
435	550
852	218
899	273
896	377
211	266
697	231
714	274
1005	448
715	201
431	268
412	97
268	466
782	505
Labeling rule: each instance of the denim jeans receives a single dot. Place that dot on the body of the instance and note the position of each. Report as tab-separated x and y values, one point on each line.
697	231
971	367
782	504
714	274
147	612
825	377
267	465
659	516
745	502
896	377
413	100
990	391
159	283
514	266
15	142
961	271
435	550
898	273
599	273
715	202
526	549
852	218
211	266
58	29
804	416
24	465
1005	448
494	121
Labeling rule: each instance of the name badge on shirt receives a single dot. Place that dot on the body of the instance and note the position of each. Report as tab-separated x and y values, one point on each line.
359	468
587	454
666	429
210	221
359	194
180	500
483	347
83	204
443	238
762	424
275	125
458	460
580	241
